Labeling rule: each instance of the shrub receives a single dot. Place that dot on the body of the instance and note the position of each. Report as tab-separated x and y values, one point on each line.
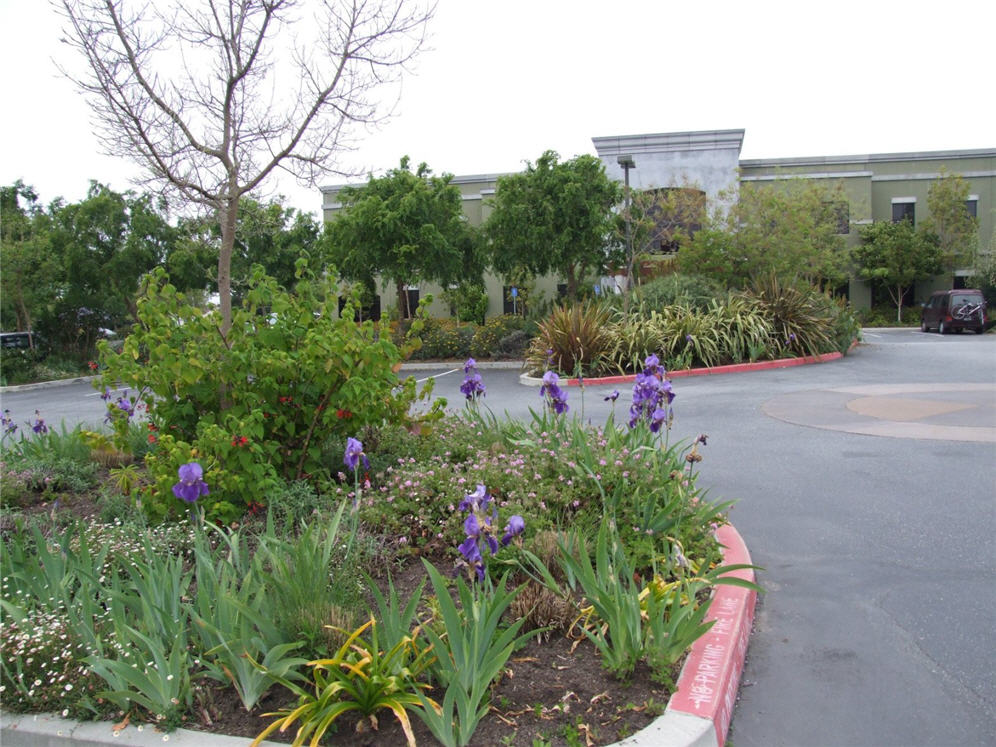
254	405
469	301
695	291
488	336
885	316
513	345
445	338
577	337
799	316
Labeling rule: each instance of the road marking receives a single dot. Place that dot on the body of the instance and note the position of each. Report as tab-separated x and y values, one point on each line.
436	376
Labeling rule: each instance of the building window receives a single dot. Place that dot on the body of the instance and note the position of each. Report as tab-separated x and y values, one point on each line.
840	214
972	205
561	291
904	208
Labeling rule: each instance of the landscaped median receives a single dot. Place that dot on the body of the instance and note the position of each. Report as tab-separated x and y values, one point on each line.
697	715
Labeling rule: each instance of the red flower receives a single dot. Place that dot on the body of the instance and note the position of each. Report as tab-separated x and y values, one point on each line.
92	365
239	441
152	438
340	413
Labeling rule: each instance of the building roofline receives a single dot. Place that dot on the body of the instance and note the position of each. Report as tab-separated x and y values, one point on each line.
454	179
663	142
934	155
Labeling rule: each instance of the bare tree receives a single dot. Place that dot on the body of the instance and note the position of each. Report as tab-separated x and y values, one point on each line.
211	96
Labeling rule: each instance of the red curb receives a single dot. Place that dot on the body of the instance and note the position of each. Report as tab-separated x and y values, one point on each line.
710	677
732	368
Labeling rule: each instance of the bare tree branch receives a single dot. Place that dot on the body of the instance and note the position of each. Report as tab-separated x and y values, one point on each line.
210	96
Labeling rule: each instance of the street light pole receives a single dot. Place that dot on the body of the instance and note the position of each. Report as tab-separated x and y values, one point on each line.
627	163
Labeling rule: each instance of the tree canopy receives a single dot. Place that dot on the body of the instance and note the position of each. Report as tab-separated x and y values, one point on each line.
789	228
957	230
553	217
895	256
406	227
29	275
267	234
211	97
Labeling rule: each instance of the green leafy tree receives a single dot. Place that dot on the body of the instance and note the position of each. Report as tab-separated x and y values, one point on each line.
266	234
895	256
789	228
957	230
105	243
662	219
405	227
29	274
212	98
553	217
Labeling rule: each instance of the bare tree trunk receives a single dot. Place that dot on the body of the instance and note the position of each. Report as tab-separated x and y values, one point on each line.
403	310
228	216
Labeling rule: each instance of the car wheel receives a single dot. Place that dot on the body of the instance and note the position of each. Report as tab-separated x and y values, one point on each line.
979	330
923	326
941	329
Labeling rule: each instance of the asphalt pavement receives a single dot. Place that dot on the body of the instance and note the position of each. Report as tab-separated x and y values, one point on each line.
873	513
866	489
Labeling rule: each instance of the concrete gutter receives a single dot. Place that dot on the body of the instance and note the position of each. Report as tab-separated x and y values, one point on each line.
697	715
528	380
409	366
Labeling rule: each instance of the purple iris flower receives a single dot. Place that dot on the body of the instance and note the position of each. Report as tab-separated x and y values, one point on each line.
476	501
470	548
652	365
516	526
472	386
613	397
556	398
107	394
191	485
479	528
652	396
354	452
39	425
7	422
125	404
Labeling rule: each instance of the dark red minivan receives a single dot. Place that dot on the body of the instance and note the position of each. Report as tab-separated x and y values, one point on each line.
951	310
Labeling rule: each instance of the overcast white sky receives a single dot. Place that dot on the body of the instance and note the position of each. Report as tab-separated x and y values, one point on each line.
504	81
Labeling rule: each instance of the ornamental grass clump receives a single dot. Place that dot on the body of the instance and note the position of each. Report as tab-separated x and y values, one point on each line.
573	338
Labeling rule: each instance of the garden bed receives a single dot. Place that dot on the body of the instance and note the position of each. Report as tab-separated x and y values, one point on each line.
606	545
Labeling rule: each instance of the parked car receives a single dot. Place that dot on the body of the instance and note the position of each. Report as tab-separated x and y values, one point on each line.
951	310
15	340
